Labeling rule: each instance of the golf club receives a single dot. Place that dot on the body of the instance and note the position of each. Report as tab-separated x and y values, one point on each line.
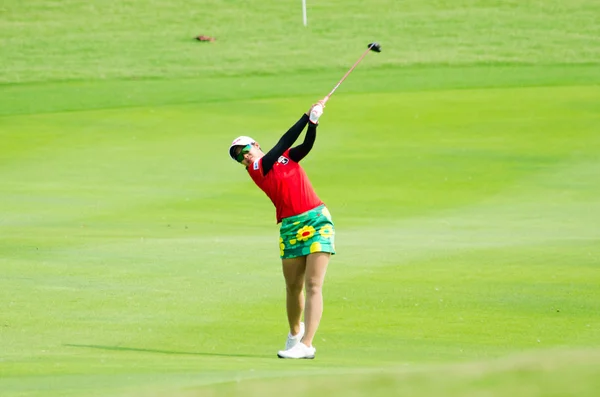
371	47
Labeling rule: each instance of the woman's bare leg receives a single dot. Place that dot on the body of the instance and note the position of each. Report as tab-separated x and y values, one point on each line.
293	272
316	267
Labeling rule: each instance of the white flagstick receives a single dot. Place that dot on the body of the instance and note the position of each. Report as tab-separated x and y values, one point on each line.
304	12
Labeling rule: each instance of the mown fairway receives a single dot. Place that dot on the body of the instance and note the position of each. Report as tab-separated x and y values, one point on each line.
461	166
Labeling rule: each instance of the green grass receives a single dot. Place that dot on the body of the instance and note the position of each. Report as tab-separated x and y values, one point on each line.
44	40
460	166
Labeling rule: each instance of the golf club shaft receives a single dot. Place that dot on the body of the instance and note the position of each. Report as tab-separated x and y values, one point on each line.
347	73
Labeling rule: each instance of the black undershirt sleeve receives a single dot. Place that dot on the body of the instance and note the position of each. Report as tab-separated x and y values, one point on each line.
299	152
285	142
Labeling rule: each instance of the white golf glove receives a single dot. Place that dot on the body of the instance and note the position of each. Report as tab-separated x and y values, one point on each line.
315	113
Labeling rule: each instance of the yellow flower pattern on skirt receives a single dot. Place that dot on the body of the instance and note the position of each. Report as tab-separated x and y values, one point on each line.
315	247
326	231
307	233
281	246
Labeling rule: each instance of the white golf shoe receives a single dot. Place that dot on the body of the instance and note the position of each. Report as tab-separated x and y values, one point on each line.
293	340
300	350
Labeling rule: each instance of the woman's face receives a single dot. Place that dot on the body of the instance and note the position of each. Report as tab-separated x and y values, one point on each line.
248	154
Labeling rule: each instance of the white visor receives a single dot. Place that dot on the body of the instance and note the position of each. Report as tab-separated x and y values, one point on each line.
239	141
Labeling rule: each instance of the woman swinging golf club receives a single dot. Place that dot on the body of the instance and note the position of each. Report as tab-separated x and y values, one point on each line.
306	234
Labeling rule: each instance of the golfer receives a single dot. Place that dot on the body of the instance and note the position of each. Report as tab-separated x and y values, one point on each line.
306	234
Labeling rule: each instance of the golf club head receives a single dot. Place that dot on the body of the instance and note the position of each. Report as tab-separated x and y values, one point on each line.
375	47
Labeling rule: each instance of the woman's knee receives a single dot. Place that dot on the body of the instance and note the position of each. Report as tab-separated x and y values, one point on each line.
294	287
314	286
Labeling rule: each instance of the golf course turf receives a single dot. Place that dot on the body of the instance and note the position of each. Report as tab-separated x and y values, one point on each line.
461	167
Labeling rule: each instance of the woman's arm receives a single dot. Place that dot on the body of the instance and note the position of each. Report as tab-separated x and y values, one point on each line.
299	152
285	142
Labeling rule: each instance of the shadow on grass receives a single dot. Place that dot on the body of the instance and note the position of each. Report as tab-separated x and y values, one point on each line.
135	349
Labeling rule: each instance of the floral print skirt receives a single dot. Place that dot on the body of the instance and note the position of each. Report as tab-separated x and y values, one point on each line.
309	232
